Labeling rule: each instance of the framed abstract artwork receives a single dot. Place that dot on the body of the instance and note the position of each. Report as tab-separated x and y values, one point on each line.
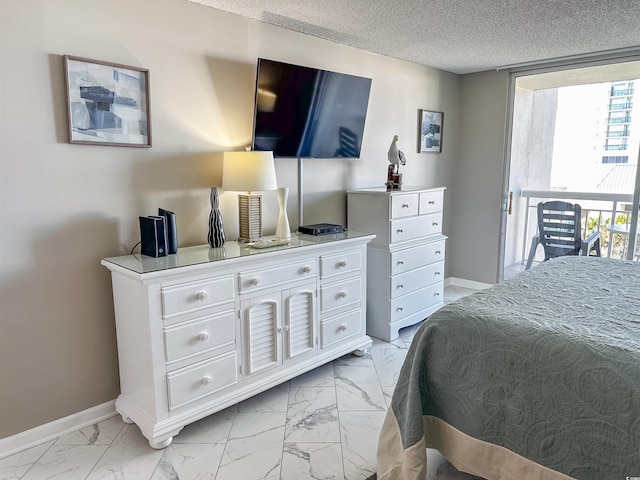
430	131
108	103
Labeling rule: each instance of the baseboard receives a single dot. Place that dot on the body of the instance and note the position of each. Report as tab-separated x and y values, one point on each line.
461	282
52	430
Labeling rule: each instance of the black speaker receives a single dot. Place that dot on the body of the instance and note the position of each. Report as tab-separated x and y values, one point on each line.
153	236
172	230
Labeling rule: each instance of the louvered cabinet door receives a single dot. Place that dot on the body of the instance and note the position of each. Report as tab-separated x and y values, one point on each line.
262	333
300	321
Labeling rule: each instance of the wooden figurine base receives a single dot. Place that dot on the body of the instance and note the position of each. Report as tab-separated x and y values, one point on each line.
394	179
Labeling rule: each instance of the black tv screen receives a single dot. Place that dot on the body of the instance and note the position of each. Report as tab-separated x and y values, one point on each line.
308	113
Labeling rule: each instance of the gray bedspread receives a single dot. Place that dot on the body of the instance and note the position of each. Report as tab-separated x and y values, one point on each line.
546	365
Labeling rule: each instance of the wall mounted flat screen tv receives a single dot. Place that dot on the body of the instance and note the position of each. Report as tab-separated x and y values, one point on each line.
309	113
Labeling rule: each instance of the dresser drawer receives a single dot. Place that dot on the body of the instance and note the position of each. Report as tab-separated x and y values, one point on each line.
269	277
340	327
192	296
338	295
414	302
416	279
416	257
430	202
404	205
202	379
214	334
415	227
332	265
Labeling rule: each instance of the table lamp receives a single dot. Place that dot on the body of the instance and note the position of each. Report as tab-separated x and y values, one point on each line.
249	171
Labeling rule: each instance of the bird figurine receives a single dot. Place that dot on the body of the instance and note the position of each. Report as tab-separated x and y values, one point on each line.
396	157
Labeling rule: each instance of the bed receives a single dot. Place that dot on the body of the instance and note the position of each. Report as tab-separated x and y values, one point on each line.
537	378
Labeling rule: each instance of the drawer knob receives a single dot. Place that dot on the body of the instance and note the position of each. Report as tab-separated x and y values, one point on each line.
400	262
206	380
279	329
343	263
399	309
436	294
400	230
203	337
437	273
306	269
400	286
256	281
438	252
202	296
432	202
435	224
343	294
343	327
405	205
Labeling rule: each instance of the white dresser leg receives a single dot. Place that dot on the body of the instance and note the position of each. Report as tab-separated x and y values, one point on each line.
162	444
127	420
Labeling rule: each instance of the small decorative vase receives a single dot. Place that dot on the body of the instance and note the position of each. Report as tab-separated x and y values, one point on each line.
283	231
215	236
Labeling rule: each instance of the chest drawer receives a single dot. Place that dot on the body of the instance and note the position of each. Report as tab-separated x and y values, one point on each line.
211	334
202	379
416	257
415	227
340	327
416	279
430	202
192	296
265	278
416	301
404	205
332	265
338	295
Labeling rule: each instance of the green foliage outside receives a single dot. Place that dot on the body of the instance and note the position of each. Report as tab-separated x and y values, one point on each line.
619	240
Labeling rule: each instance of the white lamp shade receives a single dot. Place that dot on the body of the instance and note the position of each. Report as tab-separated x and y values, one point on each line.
250	171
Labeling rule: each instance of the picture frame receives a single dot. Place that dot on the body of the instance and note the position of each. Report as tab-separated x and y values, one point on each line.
430	125
108	103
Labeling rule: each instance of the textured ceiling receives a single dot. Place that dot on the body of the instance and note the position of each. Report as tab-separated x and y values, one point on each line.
459	36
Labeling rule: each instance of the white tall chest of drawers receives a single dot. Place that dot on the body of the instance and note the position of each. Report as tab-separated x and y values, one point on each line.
209	327
405	276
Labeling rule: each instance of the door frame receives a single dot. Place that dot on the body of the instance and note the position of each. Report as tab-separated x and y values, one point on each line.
537	68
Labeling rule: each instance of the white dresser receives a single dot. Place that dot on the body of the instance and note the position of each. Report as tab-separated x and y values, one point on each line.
208	327
405	279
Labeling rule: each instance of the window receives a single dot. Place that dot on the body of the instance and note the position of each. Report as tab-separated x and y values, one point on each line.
616	144
622	89
618	130
621	103
619	117
615	159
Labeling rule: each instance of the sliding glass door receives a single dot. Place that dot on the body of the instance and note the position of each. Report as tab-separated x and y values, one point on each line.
574	136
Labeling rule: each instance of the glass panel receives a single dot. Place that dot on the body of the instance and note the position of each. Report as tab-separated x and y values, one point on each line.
577	142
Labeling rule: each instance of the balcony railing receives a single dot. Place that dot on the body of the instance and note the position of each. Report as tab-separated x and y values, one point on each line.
621	92
599	211
621	106
626	119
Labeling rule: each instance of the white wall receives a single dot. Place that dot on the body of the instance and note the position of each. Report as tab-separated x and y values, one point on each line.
64	207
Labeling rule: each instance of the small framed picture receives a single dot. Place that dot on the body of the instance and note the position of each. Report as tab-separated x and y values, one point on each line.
108	103
430	131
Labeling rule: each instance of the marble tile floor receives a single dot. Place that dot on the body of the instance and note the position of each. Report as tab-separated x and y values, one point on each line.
321	425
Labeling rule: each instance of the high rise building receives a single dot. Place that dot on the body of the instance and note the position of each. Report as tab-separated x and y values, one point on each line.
618	139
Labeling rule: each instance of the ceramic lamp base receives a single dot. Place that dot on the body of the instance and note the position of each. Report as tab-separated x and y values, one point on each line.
283	230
